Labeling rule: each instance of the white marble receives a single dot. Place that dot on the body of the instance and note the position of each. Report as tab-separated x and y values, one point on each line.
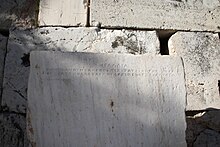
87	99
194	15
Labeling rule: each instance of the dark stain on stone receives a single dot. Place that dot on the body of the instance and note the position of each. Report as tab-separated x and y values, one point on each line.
25	59
85	2
115	44
132	46
177	0
118	42
112	104
45	32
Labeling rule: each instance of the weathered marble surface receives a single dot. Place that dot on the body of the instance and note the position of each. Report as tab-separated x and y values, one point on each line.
18	13
63	13
201	56
194	15
86	99
3	47
21	42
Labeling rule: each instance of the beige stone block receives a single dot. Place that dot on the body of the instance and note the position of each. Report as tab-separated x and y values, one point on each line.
201	57
193	15
63	13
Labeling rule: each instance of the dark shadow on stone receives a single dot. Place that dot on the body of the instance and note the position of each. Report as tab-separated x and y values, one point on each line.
164	36
4	32
203	128
26	60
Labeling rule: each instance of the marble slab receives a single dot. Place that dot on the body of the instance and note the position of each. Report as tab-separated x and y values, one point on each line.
87	99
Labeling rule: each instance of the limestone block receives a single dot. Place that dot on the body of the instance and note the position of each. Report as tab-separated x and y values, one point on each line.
87	99
3	46
201	56
194	15
21	42
18	13
63	13
12	130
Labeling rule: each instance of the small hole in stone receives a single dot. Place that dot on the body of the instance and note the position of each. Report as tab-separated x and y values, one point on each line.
112	104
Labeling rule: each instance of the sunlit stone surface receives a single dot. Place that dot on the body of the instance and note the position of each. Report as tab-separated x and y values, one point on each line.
86	99
193	15
201	56
63	13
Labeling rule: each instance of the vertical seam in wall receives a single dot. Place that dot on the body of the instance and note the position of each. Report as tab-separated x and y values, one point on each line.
3	73
88	14
37	10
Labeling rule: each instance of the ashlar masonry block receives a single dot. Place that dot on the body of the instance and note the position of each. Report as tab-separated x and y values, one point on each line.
201	57
63	13
193	15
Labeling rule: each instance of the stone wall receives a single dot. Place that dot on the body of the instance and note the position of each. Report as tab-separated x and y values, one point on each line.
189	29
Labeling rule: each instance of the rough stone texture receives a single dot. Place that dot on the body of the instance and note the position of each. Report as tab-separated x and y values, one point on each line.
194	15
208	138
201	56
89	99
72	39
18	13
3	47
63	13
12	130
203	129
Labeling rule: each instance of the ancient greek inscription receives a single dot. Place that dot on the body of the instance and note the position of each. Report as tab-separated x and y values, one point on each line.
105	70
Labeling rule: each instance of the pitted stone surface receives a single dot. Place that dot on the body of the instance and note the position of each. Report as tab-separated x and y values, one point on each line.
21	42
89	99
194	15
63	13
12	130
201	57
18	13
